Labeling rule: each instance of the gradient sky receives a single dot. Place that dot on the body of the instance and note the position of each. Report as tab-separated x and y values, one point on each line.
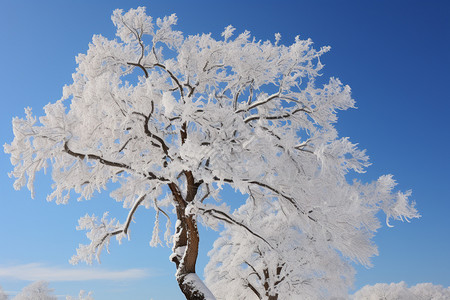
395	55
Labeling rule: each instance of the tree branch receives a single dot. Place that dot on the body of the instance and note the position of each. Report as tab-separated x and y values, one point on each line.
124	229
174	78
140	66
287	115
279	269
255	272
131	213
147	131
95	157
258	103
254	290
290	199
123	147
261	184
228	219
138	36
149	175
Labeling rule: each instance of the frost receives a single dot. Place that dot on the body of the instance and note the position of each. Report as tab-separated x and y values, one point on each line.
36	290
402	291
277	38
135	19
100	232
228	32
81	296
169	103
193	280
290	265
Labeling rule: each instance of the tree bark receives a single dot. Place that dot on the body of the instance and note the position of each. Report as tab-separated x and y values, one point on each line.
267	287
186	243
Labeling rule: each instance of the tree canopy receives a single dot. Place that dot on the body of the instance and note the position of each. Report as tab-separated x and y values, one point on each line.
38	290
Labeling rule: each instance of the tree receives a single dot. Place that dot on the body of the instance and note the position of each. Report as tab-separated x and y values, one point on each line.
3	295
286	265
81	296
394	291
430	291
172	119
38	290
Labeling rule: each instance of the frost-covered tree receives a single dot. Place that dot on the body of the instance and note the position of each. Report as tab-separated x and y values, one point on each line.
430	291
171	119
286	264
384	291
3	295
38	290
400	291
81	296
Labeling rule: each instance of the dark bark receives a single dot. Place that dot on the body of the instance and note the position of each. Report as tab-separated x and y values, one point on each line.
187	241
266	283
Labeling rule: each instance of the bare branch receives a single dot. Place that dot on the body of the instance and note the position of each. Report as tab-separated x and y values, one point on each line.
140	66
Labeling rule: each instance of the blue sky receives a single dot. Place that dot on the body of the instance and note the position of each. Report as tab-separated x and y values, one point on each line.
394	54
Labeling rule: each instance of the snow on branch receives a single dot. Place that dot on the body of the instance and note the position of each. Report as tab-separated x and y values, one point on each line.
227	218
100	233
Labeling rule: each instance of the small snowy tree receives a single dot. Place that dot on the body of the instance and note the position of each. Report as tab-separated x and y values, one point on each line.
430	291
81	296
3	295
38	290
400	291
172	119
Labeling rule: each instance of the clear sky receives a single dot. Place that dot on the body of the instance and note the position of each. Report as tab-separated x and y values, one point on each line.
394	54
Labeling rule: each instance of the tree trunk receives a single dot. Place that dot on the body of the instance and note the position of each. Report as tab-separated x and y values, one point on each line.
185	248
193	287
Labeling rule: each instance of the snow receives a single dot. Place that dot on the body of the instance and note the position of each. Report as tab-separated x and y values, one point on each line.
193	280
402	291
